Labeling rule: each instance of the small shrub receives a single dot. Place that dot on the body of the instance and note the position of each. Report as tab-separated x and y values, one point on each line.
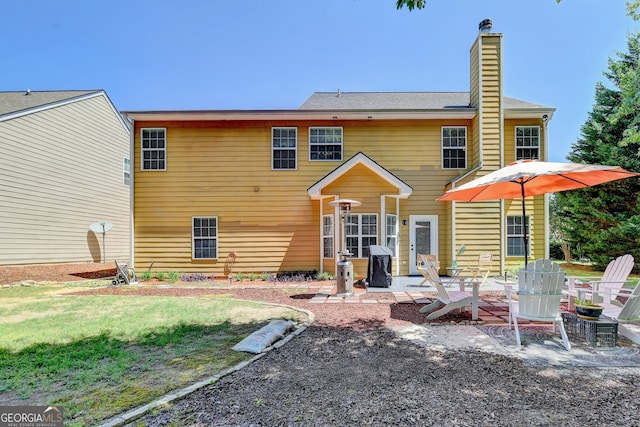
325	276
266	277
161	275
253	277
297	276
174	276
239	277
145	276
555	251
193	277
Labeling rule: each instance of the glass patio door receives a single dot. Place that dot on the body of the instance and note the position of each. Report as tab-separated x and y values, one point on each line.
423	238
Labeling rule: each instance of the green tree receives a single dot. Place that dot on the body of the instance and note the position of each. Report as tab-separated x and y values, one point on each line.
556	228
604	221
633	6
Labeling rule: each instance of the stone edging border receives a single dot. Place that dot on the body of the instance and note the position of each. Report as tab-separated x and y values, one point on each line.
136	413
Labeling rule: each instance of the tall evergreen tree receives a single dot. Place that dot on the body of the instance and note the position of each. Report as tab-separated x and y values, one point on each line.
603	222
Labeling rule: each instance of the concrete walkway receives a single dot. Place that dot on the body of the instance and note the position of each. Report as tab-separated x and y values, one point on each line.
492	307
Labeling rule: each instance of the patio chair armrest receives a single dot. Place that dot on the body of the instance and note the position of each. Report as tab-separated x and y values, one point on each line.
508	290
585	278
624	292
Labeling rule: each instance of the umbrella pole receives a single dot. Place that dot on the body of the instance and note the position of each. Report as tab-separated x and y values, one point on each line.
524	228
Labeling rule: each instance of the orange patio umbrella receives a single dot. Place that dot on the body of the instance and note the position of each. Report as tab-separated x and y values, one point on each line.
532	178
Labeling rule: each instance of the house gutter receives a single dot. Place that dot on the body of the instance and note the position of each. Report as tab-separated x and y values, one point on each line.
547	228
383	226
453	203
503	237
131	122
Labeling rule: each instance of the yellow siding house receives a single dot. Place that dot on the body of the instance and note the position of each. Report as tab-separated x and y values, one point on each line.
254	186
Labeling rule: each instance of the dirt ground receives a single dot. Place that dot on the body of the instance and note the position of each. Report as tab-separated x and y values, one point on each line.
56	272
351	367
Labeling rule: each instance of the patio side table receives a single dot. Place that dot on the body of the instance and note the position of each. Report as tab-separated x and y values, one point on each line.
598	333
454	271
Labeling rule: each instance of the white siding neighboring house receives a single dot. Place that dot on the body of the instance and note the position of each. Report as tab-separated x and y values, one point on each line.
62	168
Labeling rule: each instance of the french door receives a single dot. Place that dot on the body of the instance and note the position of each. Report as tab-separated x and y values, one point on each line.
423	238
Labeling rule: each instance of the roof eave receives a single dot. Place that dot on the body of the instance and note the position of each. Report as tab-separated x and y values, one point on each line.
202	115
529	113
404	189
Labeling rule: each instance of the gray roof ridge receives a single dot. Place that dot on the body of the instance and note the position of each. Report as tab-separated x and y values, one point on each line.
11	107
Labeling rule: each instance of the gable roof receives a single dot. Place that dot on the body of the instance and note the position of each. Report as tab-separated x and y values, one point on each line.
14	104
404	189
409	101
386	100
359	106
17	104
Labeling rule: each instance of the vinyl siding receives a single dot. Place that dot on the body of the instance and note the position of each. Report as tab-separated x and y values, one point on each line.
62	171
491	98
478	224
266	217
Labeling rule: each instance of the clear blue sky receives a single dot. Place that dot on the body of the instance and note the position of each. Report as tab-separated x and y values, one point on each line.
272	54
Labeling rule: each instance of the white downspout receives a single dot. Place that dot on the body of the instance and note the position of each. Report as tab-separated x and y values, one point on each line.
132	187
503	220
398	236
321	201
545	143
383	222
337	241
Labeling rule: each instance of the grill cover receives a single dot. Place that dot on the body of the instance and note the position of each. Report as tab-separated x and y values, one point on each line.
379	269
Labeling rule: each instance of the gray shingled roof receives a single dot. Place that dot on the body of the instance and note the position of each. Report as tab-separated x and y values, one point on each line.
400	101
14	102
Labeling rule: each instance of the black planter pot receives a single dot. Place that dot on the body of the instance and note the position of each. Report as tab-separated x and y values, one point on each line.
589	312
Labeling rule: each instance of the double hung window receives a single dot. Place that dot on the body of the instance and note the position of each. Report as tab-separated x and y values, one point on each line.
515	231
392	232
205	237
454	147
327	236
126	171
153	149
527	142
284	145
325	143
361	232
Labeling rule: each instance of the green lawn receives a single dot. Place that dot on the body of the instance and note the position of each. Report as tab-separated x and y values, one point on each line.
585	270
98	356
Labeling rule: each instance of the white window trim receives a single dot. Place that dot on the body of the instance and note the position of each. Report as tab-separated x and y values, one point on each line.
360	236
341	143
507	235
394	235
328	236
294	149
193	237
442	147
126	171
515	140
142	150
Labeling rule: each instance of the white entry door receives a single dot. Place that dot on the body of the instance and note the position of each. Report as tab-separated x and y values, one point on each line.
423	238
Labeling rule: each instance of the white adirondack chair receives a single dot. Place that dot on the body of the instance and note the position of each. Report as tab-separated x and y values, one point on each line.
485	263
606	288
450	299
539	293
627	314
421	265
